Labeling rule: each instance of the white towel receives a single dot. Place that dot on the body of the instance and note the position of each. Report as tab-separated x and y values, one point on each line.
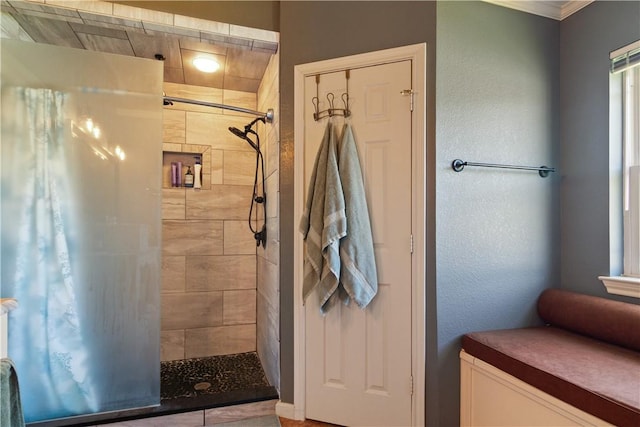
358	273
323	224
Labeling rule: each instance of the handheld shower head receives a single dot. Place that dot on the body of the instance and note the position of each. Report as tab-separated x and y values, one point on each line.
259	196
243	135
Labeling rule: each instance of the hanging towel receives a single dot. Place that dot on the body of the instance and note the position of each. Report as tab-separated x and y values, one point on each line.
10	407
323	224
358	266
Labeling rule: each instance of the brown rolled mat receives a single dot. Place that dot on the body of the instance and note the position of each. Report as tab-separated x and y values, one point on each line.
615	322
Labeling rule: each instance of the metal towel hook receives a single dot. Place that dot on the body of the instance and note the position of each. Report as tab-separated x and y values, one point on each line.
330	98
345	101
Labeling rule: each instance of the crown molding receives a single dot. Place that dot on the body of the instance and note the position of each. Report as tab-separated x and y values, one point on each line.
557	10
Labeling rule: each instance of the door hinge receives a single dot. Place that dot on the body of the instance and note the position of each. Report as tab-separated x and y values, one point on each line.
409	92
411	243
411	385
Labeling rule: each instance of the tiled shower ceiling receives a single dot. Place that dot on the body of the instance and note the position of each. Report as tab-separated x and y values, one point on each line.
243	53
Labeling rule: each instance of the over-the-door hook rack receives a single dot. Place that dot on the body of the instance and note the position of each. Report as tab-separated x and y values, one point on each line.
332	110
458	166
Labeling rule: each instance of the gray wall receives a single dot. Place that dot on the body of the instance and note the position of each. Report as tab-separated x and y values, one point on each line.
317	30
586	39
496	246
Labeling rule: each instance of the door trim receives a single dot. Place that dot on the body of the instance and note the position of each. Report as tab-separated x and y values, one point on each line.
417	54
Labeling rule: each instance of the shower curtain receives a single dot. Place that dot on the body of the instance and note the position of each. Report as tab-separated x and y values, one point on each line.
45	338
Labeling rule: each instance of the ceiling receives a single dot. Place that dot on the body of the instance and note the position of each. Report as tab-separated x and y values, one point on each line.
243	59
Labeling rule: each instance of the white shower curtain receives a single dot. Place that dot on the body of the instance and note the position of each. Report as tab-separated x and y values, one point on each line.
45	338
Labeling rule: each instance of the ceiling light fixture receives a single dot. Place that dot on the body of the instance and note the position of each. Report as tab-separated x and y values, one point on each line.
206	64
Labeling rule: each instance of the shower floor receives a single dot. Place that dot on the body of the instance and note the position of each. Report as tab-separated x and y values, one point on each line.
210	382
195	384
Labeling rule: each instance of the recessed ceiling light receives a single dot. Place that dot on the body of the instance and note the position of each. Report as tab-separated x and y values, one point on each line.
206	64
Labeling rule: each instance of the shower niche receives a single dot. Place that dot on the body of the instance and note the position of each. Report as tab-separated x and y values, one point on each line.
176	164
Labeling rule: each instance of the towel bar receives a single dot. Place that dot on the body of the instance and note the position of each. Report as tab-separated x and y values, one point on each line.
458	166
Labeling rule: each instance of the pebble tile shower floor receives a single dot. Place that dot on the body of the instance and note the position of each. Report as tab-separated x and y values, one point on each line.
211	375
213	381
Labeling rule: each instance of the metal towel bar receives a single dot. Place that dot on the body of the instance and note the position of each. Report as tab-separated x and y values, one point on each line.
458	166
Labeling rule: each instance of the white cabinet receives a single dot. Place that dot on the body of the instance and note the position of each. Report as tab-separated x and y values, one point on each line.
491	397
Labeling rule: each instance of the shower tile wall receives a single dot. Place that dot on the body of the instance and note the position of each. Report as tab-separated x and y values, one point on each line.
268	297
209	254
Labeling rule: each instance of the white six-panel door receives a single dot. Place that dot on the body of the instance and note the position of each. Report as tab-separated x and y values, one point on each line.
358	362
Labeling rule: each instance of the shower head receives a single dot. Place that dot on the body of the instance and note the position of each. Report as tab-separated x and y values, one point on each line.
243	135
237	132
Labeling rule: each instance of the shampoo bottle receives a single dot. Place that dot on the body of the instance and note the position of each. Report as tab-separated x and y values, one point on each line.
188	177
197	169
174	174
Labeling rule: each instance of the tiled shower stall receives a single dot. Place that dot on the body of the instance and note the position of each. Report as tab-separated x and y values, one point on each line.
220	293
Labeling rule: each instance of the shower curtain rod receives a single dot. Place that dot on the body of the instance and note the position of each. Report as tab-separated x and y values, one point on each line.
268	116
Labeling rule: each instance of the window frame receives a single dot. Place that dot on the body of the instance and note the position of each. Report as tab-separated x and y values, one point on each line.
625	172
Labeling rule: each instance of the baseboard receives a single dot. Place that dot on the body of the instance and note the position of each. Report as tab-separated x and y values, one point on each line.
288	410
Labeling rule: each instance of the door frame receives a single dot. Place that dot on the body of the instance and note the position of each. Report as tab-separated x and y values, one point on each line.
417	53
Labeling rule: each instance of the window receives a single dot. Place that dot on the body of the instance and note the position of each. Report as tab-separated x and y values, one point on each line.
625	97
